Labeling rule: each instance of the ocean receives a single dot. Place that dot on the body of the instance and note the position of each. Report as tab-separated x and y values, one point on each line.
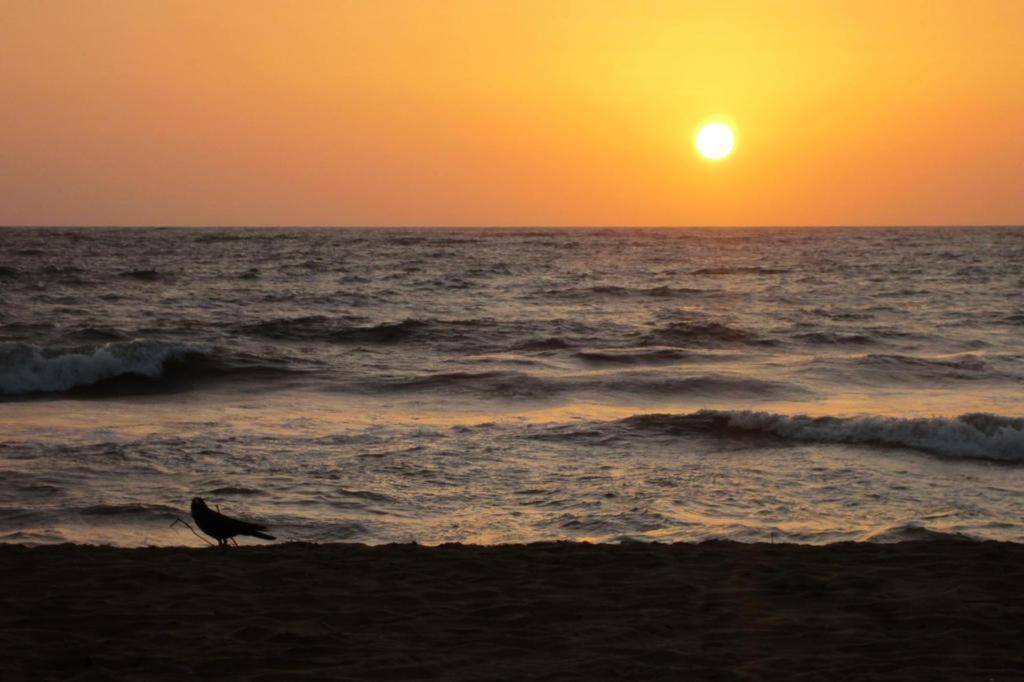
513	385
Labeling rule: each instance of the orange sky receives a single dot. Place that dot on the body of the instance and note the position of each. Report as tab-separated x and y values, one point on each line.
308	112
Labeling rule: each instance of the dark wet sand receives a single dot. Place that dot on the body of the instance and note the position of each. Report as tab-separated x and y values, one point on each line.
941	610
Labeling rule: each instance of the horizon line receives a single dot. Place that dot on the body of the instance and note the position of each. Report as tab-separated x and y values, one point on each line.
516	227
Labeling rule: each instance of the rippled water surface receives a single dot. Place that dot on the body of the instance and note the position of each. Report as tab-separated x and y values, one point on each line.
511	385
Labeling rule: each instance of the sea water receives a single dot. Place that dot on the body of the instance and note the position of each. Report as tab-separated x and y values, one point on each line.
510	385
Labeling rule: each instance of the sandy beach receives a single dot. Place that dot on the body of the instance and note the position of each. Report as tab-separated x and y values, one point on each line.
943	610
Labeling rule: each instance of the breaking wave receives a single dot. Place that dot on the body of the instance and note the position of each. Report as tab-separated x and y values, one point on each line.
129	366
975	436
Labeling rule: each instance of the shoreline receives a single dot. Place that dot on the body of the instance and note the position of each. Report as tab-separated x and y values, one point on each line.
938	609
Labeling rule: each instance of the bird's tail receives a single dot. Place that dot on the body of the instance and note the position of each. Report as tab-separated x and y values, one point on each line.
261	534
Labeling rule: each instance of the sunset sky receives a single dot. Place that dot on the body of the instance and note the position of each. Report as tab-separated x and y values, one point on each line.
138	112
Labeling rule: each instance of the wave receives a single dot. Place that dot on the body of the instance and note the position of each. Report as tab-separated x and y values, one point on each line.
287	328
380	333
843	315
86	334
974	436
210	238
141	275
551	343
703	334
32	537
835	339
25	368
662	291
912	367
504	384
337	330
464	336
749	270
234	490
913	370
61	270
649	385
912	532
620	358
131	509
656	385
64	274
113	368
620	292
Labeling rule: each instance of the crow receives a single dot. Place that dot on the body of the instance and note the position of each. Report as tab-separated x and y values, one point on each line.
221	527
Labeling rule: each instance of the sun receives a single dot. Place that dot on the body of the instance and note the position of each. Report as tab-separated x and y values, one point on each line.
715	141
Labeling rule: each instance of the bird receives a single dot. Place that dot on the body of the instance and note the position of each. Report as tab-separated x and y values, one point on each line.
223	528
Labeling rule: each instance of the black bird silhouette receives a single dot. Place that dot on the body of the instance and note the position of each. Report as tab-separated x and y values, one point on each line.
223	528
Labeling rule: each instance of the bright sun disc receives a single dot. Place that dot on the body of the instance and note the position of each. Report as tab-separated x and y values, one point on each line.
715	141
